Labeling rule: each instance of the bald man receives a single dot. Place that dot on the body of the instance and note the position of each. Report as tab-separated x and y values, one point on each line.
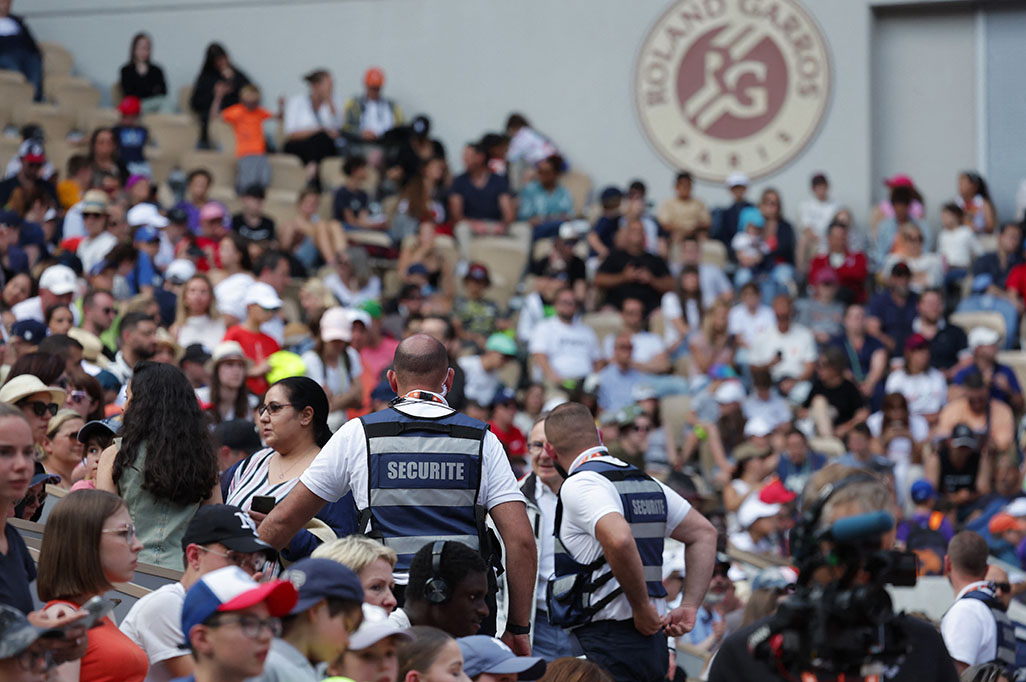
420	471
611	523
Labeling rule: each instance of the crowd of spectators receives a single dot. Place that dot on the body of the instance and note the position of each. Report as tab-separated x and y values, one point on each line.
173	369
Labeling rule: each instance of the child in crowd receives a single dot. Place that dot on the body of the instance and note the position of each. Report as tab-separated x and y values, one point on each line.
229	620
372	654
748	244
71	189
603	232
96	436
317	629
252	224
261	303
247	121
928	531
131	137
1009	538
432	655
956	243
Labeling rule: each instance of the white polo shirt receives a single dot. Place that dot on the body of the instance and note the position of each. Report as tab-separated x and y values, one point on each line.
341	465
969	630
587	497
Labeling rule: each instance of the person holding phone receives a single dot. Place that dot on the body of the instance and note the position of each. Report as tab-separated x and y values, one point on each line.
293	421
89	545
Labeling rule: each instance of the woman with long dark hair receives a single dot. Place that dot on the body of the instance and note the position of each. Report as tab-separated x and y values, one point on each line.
294	424
165	466
217	87
974	198
227	394
141	78
103	154
682	311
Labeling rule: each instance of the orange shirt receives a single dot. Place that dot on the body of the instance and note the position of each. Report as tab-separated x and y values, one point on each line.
249	129
110	655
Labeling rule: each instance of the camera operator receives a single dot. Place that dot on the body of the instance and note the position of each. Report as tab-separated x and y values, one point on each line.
975	628
840	599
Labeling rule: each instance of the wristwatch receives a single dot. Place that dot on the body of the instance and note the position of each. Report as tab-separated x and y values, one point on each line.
518	629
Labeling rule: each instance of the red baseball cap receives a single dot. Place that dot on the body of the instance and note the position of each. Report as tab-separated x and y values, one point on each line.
374	77
130	106
899	180
776	493
31	151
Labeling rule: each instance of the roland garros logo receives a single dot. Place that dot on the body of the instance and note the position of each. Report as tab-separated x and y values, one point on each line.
732	85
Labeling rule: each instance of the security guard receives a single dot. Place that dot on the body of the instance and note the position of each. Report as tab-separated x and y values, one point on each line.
611	520
421	472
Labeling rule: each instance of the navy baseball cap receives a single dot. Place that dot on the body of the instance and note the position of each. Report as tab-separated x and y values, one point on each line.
224	523
32	331
10	218
108	381
485	654
610	193
108	427
504	395
318	579
44	478
382	392
922	490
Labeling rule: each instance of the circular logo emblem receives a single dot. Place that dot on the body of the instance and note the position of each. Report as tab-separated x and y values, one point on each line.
732	85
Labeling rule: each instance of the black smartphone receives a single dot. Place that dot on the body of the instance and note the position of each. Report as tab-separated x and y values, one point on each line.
263	504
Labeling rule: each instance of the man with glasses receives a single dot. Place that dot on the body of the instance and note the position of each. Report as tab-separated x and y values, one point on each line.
229	621
219	535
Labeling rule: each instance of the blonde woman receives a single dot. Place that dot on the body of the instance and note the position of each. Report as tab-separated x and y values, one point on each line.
371	561
196	316
63	451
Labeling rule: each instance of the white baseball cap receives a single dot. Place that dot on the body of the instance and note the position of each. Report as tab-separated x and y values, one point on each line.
757	426
375	627
145	214
982	336
58	280
729	392
736	179
263	295
753	509
180	270
336	325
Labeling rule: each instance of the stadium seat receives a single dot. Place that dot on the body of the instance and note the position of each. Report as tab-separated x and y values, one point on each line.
220	165
332	176
325	207
55	123
58	151
579	186
184	95
75	96
115	94
160	164
280	205
287	172
57	60
674	411
222	136
9	76
504	259
91	119
12	95
968	320
174	134
603	324
1016	361
226	195
8	148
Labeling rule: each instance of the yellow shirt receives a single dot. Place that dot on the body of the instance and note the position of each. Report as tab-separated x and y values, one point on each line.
683	216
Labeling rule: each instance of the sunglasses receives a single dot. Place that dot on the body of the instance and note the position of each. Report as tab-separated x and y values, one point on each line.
39	408
1003	587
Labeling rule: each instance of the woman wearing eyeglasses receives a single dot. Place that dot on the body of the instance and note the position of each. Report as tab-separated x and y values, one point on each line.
89	545
63	451
293	422
37	401
164	466
85	395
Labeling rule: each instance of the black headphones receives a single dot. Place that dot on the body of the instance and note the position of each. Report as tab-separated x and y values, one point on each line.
803	535
436	591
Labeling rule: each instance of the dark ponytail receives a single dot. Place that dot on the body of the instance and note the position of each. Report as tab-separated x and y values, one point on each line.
304	392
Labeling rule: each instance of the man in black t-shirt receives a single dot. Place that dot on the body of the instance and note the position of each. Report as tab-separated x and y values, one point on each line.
352	205
632	272
251	223
560	267
849	495
845	404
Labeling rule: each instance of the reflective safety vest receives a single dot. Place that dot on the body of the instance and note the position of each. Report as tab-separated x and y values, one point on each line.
1006	644
571	592
423	478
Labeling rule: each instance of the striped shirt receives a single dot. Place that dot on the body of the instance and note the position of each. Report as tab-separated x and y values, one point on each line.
251	479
